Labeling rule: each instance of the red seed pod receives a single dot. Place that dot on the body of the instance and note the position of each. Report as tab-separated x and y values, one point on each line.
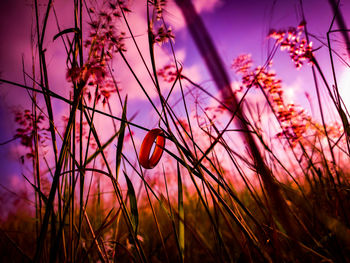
146	146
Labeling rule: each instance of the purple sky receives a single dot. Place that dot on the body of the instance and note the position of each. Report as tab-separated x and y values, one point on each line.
236	26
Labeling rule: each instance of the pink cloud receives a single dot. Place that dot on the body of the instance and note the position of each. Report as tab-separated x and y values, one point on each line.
174	16
206	6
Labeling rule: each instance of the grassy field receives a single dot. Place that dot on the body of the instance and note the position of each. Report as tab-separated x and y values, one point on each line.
244	174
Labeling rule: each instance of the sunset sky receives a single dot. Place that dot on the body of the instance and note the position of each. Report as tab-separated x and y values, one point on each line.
237	27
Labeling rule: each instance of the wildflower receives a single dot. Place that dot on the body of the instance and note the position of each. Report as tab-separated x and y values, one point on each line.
163	35
168	73
299	49
242	63
104	40
292	118
159	7
26	132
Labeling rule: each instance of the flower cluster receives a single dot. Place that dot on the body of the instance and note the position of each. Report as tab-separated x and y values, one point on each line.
168	73
242	64
159	6
104	40
26	132
160	32
293	119
300	50
163	34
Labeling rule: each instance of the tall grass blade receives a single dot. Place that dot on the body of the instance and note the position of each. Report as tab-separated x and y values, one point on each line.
133	204
121	139
180	201
66	31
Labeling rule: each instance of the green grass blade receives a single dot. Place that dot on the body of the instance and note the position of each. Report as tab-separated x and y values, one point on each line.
133	204
66	31
181	214
121	138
